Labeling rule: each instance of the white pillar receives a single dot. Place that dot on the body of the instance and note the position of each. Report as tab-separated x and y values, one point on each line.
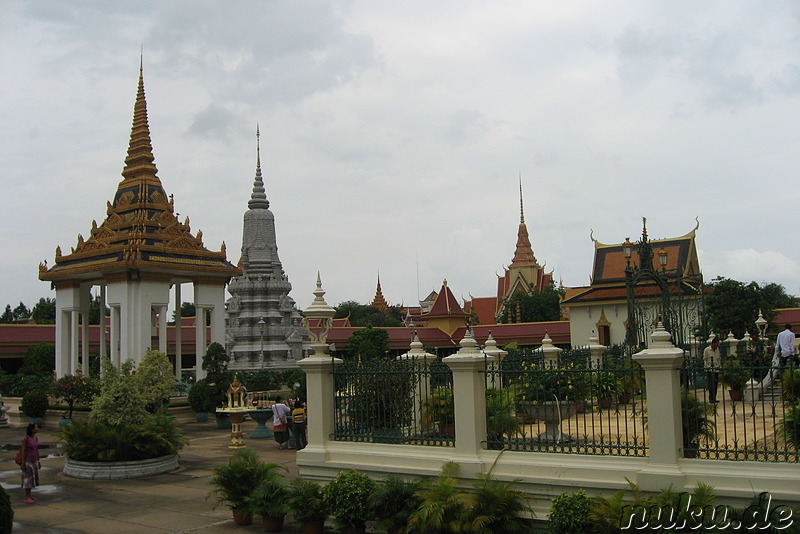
115	337
200	339
73	345
661	362
103	333
596	350
162	329
178	332
469	395
551	352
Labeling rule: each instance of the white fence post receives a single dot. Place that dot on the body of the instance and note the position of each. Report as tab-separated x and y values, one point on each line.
661	363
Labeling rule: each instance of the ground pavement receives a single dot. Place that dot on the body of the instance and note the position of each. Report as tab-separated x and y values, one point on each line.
173	502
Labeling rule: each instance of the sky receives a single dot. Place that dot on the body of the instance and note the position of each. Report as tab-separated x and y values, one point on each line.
394	134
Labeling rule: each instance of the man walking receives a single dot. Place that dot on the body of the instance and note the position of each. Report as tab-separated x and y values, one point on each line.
784	346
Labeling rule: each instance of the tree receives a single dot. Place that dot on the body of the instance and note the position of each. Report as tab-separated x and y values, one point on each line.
733	305
536	306
156	379
365	315
39	360
44	311
121	401
8	315
368	343
21	312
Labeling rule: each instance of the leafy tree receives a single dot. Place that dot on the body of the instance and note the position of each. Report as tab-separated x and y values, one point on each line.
365	315
368	343
8	315
21	312
44	311
733	305
121	400
156	379
39	360
521	307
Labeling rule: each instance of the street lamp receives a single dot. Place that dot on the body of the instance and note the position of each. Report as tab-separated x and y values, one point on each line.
627	247
261	325
662	259
761	324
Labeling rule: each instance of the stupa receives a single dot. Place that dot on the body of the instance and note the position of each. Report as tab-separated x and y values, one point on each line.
264	328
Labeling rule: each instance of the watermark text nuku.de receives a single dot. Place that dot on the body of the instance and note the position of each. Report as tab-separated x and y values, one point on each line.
759	516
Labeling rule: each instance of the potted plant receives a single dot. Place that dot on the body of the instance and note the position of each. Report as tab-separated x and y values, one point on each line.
569	513
270	499
606	386
232	483
34	404
442	505
501	418
307	506
498	506
204	399
393	502
697	423
346	497
735	377
438	410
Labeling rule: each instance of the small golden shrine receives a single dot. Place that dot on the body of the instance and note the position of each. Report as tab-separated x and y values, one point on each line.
235	409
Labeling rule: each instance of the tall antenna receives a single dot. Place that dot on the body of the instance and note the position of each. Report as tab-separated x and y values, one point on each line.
417	259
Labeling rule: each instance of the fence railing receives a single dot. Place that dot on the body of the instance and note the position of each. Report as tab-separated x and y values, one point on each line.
574	405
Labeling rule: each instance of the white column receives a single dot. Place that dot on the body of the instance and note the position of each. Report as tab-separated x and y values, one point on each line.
114	326
73	345
469	395
320	401
162	329
596	350
178	332
661	362
86	297
103	334
200	339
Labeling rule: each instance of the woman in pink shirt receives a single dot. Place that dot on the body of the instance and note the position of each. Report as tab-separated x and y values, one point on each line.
30	462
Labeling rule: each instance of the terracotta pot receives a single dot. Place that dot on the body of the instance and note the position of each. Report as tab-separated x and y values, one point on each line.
605	402
241	517
272	523
736	394
624	398
448	430
313	527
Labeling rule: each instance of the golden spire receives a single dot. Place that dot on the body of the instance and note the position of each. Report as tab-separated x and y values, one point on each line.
140	160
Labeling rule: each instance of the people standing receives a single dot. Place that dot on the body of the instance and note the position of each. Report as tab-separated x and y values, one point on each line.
279	423
712	361
784	346
30	461
299	424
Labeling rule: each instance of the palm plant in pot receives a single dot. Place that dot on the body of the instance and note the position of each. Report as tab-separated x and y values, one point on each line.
606	386
307	506
498	506
232	483
697	423
735	376
270	499
502	420
393	502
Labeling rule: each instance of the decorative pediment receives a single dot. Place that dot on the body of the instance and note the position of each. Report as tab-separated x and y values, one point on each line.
157	197
125	199
183	243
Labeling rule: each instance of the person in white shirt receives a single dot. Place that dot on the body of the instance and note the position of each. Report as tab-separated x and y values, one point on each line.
784	346
712	362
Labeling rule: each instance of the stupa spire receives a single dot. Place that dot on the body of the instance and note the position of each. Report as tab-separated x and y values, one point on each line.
523	254
258	199
521	208
379	301
140	160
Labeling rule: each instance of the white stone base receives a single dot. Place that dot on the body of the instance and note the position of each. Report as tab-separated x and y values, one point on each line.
120	470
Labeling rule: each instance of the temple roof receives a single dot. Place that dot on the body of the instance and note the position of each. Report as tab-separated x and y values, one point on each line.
445	305
141	229
379	301
523	254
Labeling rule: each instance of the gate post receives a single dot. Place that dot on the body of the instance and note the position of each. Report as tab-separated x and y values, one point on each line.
661	363
469	396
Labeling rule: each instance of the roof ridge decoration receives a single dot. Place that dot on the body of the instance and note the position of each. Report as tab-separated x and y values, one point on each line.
141	227
258	199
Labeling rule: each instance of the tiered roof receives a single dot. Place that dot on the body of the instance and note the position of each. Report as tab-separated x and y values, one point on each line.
141	230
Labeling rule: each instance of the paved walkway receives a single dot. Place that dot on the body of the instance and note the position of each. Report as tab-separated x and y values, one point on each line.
174	502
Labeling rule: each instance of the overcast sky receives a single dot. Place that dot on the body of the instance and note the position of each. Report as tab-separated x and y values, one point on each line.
393	134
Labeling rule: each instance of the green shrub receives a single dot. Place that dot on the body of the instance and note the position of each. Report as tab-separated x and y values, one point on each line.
17	385
74	389
789	425
393	502
306	502
270	498
569	513
156	378
498	506
442	506
203	397
6	512
115	384
90	440
232	482
346	497
34	403
790	385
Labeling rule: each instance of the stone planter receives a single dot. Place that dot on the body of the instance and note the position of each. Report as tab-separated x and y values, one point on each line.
736	394
120	470
552	413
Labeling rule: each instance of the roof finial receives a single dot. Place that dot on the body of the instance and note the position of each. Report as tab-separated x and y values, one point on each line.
258	199
521	209
644	228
